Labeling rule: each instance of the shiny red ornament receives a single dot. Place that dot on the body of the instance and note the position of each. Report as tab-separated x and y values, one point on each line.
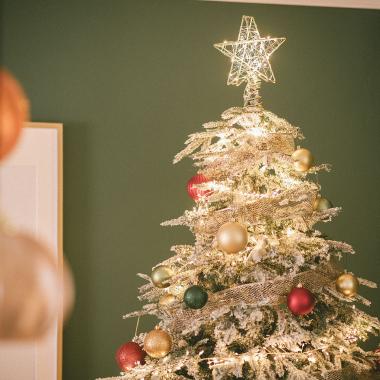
301	301
195	192
14	111
129	355
377	361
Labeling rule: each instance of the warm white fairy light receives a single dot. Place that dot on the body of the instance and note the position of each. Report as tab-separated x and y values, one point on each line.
220	187
223	140
288	181
312	359
257	132
290	232
263	168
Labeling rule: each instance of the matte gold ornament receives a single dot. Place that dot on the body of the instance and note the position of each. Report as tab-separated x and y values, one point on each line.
161	276
347	284
232	237
322	204
157	343
303	160
167	300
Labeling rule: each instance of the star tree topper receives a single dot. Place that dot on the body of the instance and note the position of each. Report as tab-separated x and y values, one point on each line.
250	58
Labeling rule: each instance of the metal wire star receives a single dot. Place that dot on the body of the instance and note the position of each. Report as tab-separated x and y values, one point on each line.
250	54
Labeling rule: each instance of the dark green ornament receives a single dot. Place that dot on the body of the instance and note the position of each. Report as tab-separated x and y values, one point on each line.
195	297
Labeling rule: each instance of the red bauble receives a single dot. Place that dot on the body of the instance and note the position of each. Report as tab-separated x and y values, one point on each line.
14	111
301	301
377	361
129	355
195	192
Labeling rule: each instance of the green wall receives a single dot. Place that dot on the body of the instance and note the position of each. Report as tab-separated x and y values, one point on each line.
131	79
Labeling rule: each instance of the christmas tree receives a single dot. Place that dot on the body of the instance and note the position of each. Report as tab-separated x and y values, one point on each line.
259	295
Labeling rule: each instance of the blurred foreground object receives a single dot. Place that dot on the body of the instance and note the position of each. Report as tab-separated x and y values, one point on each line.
14	111
32	290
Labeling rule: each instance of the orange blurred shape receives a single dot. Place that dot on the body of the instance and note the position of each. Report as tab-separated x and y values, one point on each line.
32	290
14	111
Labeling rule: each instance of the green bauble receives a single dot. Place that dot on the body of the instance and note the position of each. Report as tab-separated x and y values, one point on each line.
322	204
195	297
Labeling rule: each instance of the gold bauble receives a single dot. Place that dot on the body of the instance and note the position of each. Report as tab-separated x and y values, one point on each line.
322	204
157	343
347	284
161	276
303	160
167	300
232	237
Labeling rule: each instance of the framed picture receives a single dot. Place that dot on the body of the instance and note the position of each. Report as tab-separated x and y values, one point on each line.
366	4
31	200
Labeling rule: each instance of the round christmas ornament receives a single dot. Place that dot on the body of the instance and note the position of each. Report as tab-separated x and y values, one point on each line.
129	355
195	297
167	300
347	284
301	301
161	276
303	160
31	288
377	362
157	343
232	237
14	111
195	192
322	204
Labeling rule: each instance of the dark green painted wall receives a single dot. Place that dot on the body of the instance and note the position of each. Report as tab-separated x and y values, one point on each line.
131	79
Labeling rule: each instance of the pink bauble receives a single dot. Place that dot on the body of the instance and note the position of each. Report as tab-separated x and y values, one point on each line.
377	361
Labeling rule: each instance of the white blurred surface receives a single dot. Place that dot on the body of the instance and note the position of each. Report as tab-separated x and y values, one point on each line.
29	201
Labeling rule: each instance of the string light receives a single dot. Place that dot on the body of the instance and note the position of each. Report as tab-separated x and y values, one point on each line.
312	359
257	132
222	139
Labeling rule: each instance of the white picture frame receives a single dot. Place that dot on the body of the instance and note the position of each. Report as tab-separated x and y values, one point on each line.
31	200
364	4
